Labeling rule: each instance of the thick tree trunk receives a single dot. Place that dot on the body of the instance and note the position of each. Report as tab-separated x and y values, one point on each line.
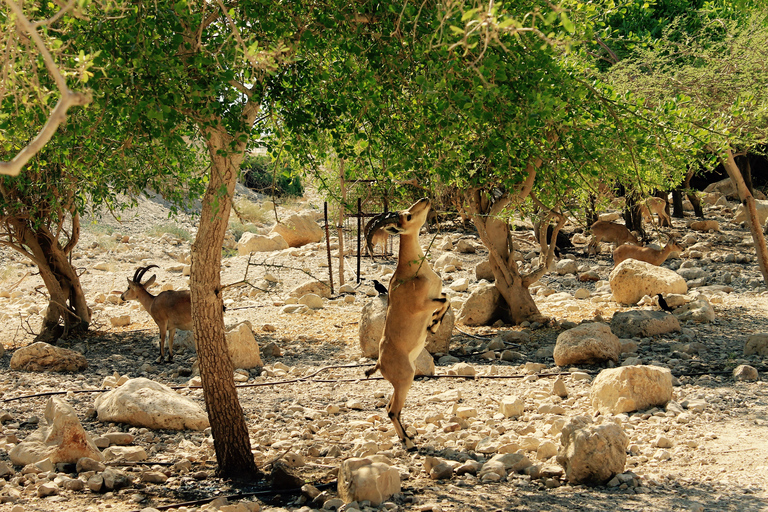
67	303
748	200
230	432
494	233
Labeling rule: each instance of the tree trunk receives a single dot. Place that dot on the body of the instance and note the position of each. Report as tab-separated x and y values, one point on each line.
230	432
677	204
494	233
692	197
67	301
748	200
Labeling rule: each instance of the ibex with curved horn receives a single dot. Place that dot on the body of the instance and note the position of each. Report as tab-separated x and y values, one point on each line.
416	305
170	309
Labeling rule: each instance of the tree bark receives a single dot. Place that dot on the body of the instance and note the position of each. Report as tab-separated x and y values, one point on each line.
493	230
748	200
230	432
67	301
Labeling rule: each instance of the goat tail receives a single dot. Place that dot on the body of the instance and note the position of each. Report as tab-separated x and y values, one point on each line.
371	371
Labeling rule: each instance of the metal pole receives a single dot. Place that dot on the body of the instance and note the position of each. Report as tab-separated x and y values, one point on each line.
359	222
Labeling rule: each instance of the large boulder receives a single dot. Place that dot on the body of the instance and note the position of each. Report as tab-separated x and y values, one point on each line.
42	357
592	453
242	346
630	324
481	306
253	242
632	279
631	388
587	343
367	479
374	317
60	438
299	229
145	403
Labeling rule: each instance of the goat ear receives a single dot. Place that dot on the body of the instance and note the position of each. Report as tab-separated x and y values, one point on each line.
150	280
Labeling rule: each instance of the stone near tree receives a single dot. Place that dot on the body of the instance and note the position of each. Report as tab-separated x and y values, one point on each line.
480	308
299	229
587	343
447	259
592	453
566	266
483	270
315	287
59	438
762	212
312	301
253	242
466	247
631	388
362	479
144	403
125	453
631	280
242	346
756	344
700	311
42	357
630	324
371	329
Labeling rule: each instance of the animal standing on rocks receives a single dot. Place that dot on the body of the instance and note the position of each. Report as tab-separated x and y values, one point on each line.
655	205
646	254
416	306
380	288
170	309
609	232
663	303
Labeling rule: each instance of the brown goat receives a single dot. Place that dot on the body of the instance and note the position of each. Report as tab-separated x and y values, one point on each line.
609	232
170	309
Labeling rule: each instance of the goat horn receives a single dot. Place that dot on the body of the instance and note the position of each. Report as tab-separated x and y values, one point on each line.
137	277
375	223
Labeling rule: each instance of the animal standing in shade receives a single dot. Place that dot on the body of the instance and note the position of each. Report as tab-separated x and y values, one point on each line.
416	306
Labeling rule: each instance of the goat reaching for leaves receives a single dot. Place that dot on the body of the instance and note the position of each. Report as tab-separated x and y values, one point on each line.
416	305
170	309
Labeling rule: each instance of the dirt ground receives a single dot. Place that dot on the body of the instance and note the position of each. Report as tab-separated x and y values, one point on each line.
718	454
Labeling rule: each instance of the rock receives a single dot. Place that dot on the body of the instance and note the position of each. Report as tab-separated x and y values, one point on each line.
42	357
299	229
466	247
756	344
60	438
631	388
762	212
424	364
88	464
447	260
320	288
363	479
312	301
115	479
372	322
631	280
629	324
242	346
253	242
125	453
592	454
569	266
745	373
700	311
510	462
587	343
559	389
511	406
145	403
480	307
483	270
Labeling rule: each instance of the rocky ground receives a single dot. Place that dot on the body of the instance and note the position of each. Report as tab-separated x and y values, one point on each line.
310	398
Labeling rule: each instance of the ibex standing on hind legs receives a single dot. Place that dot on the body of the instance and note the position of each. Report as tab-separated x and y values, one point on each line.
416	305
170	309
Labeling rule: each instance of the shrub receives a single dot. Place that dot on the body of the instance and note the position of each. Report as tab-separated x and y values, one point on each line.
260	174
